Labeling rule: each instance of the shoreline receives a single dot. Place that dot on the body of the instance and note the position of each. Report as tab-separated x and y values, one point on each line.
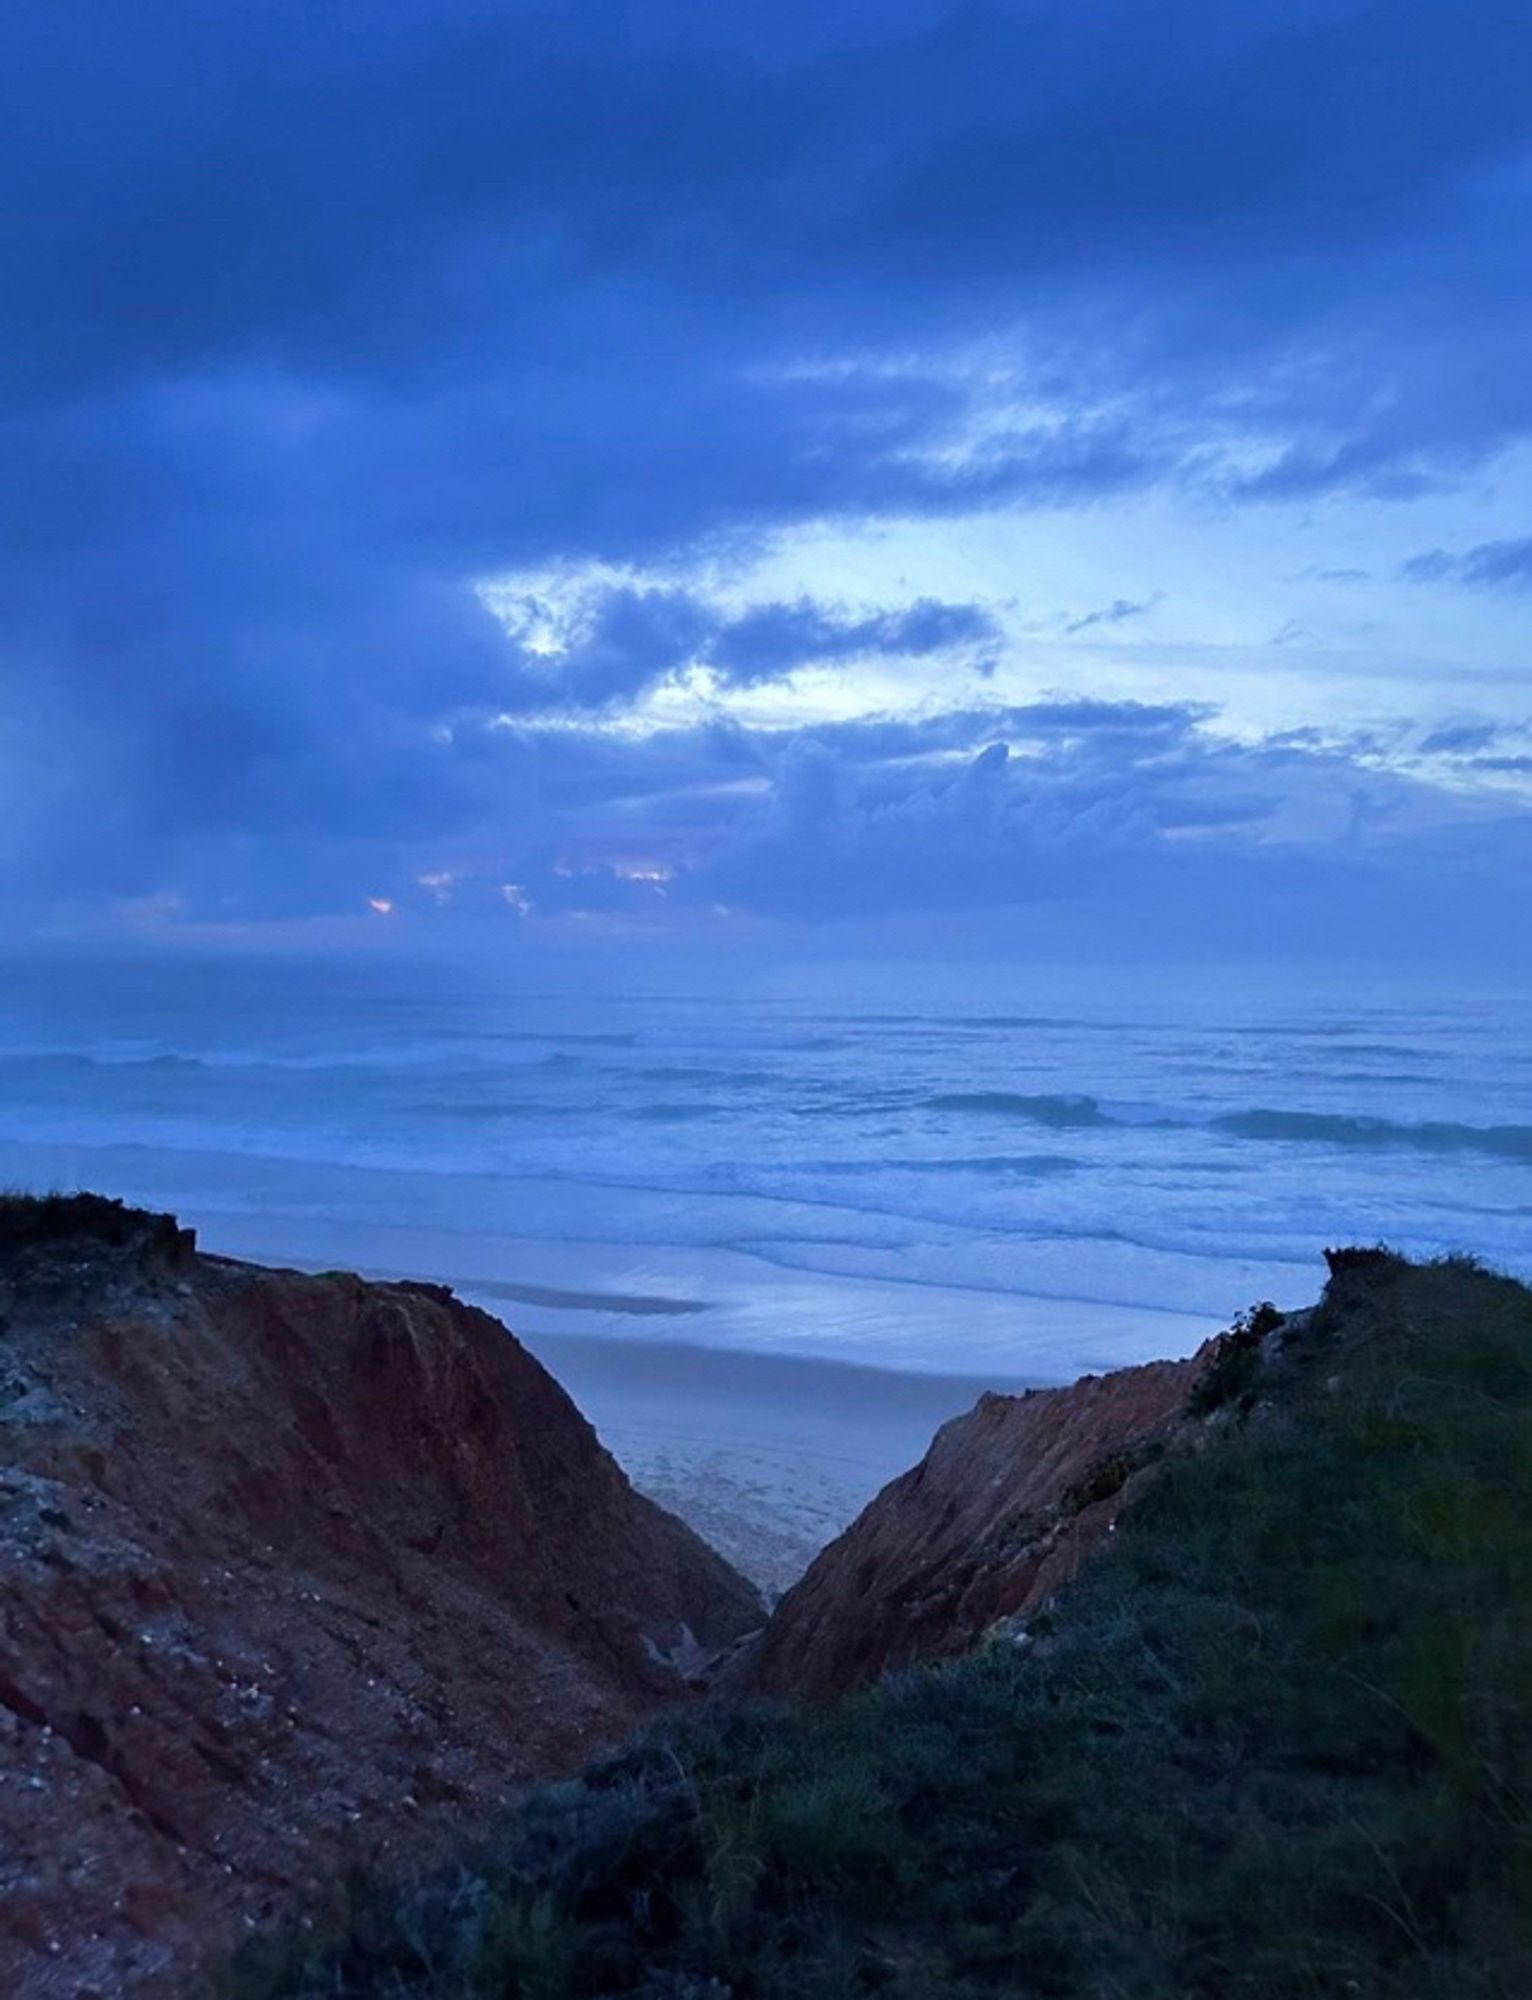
744	1297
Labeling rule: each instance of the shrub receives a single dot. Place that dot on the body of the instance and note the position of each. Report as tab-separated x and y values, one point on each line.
30	1222
1232	1376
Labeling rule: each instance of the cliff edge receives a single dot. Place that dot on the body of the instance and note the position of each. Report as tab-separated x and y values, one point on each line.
296	1574
1001	1511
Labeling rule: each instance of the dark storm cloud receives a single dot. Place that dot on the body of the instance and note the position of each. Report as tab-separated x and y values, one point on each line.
314	316
1142	817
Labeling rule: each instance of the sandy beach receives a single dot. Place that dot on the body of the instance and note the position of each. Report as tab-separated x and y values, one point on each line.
767	1456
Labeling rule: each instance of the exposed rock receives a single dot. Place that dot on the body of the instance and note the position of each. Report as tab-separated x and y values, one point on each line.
998	1514
294	1572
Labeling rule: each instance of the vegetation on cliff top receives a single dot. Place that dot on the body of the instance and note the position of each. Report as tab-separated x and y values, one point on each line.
1277	1743
30	1220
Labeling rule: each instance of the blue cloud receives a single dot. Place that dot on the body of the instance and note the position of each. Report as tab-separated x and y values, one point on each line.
1500	565
630	638
1116	613
312	324
1460	738
1141	815
772	639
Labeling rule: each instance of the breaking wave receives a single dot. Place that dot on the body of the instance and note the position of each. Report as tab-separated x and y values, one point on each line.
1261	1123
1324	1128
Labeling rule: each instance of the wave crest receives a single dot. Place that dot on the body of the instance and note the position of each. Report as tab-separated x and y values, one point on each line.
1061	1112
1506	1142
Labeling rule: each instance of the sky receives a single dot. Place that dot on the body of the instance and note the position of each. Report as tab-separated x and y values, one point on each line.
913	476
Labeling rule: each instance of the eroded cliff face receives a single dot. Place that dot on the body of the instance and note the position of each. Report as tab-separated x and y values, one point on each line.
1000	1512
294	1572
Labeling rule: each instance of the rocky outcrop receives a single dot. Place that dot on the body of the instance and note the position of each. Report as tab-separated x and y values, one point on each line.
1003	1508
295	1572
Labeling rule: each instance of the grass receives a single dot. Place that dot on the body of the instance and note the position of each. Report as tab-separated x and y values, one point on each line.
1277	1745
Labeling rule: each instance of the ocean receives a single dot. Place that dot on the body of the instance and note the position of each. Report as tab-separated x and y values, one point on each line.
968	1170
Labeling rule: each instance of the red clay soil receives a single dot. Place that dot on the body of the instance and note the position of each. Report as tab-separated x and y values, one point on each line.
998	1514
294	1572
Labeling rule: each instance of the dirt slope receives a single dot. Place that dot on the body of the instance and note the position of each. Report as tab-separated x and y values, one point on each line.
293	1570
999	1512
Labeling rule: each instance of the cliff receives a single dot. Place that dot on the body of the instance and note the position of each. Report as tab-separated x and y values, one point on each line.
1274	1739
999	1513
296	1574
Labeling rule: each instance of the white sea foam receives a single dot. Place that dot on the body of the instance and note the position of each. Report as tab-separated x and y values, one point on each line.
934	1183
